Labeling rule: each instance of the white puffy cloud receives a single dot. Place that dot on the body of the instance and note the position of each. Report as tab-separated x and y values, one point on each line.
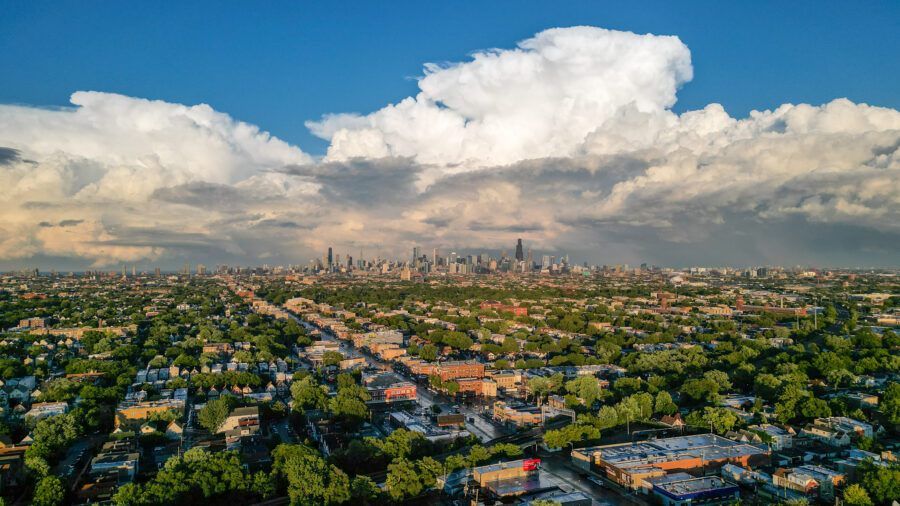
101	161
540	99
567	140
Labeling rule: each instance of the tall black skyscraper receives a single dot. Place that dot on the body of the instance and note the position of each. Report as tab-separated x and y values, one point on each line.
330	258
520	255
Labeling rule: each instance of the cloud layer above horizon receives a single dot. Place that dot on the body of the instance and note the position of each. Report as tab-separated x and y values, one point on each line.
567	140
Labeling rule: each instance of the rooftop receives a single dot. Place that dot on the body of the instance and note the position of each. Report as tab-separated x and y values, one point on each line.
693	486
702	446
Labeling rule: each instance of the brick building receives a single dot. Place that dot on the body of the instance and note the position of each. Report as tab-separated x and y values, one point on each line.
389	387
459	369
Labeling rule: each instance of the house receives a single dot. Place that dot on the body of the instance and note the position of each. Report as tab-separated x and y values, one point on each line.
673	421
174	430
837	430
781	437
797	481
122	465
18	393
243	421
41	410
744	436
12	467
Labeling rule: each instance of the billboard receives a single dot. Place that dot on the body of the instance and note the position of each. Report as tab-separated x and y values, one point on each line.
448	420
531	464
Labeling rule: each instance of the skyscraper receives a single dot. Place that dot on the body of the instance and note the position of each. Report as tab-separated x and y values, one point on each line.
520	254
416	256
330	258
434	257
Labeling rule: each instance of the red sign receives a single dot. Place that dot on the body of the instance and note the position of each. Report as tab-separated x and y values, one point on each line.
531	465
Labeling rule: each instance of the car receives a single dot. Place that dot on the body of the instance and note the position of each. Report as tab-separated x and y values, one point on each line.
596	481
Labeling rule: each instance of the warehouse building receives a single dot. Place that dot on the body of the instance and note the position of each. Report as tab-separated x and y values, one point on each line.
682	489
630	464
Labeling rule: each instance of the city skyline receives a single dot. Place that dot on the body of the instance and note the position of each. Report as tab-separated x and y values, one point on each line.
607	134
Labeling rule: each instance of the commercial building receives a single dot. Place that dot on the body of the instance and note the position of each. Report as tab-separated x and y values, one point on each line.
455	369
473	385
517	415
629	465
511	479
682	489
388	387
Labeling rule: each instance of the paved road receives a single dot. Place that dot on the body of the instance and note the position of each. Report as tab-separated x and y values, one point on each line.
481	428
284	430
558	466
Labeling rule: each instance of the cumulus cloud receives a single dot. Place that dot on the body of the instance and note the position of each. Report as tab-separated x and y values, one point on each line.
538	100
108	161
567	140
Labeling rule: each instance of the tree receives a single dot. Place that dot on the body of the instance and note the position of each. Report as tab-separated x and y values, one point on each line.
700	390
718	377
312	481
37	467
429	471
428	352
452	387
883	483
401	443
570	434
403	480
363	489
477	455
607	417
332	358
53	434
855	495
345	380
538	386
308	394
49	492
788	403
815	408
721	419
213	415
890	406
664	404
587	387
350	403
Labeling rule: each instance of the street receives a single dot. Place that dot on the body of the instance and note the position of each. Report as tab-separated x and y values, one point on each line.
481	428
558	466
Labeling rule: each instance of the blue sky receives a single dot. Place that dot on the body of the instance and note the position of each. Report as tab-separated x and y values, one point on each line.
278	64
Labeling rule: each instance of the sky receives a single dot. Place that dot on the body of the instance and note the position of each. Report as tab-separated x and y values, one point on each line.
155	134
